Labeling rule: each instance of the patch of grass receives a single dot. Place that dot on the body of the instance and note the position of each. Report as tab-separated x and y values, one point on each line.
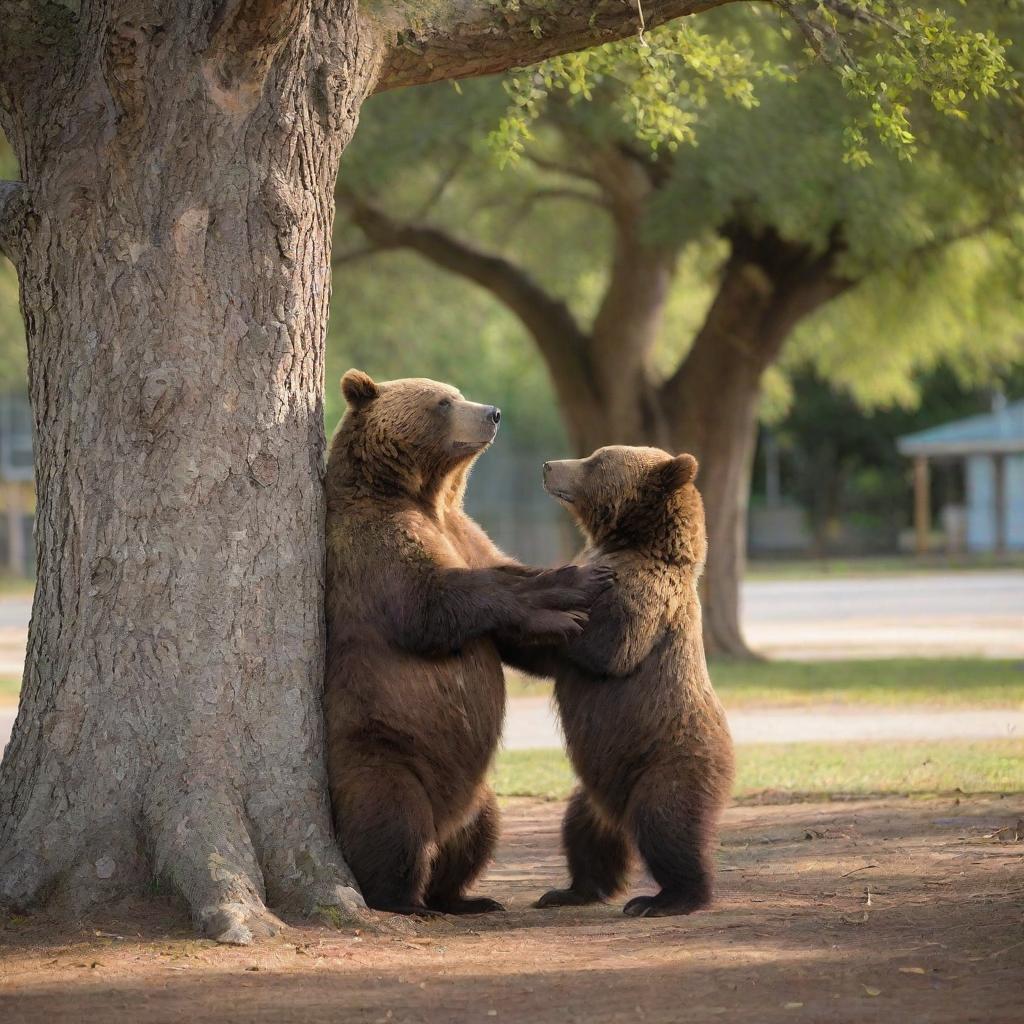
331	916
541	773
797	770
947	682
849	568
10	687
989	766
890	682
16	586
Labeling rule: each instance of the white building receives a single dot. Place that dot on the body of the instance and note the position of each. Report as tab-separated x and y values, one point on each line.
991	448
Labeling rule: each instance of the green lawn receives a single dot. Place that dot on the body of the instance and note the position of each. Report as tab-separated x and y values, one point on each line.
9	690
947	682
813	769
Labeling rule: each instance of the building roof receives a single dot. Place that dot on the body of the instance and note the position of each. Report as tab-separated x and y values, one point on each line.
989	433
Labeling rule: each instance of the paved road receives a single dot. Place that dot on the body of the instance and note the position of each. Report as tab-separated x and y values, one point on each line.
15	612
927	614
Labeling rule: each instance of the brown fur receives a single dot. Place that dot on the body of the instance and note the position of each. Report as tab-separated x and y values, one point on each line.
416	597
645	730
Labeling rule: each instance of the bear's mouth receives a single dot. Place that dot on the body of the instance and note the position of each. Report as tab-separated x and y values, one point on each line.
561	495
469	446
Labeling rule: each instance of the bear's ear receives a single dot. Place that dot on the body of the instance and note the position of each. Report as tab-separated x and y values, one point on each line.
358	388
677	472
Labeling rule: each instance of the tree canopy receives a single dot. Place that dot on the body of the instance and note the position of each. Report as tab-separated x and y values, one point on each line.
933	242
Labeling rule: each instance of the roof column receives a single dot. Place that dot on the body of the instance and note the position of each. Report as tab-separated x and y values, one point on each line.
922	504
999	501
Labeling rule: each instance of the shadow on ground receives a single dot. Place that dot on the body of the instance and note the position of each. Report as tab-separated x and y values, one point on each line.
882	910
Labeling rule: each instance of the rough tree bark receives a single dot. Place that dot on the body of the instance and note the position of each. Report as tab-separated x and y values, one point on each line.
602	376
171	237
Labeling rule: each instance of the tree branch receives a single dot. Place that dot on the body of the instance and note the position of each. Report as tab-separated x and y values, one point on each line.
428	42
559	337
10	194
579	195
626	178
768	285
545	164
522	209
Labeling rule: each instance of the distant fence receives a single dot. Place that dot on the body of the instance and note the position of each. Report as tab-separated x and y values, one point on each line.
17	498
506	498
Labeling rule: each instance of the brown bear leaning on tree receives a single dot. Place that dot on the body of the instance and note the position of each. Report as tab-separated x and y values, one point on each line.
646	733
417	596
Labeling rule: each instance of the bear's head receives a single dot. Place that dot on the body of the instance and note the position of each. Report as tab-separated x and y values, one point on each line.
415	434
639	499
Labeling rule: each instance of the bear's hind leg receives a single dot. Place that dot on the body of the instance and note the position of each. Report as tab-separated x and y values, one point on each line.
460	861
673	836
598	857
385	827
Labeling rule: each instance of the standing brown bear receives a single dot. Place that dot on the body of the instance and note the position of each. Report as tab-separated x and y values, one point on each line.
644	728
417	598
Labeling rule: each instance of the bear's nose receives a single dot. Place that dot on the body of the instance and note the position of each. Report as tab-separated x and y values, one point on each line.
547	468
494	415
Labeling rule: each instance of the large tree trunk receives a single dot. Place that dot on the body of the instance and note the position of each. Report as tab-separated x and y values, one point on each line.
174	264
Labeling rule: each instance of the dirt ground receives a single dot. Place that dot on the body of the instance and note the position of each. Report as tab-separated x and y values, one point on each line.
890	910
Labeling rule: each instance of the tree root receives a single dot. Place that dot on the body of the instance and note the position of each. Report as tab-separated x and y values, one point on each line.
226	866
204	850
224	861
306	874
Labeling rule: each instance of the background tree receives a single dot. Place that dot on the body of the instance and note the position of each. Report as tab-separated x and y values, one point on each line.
788	211
171	232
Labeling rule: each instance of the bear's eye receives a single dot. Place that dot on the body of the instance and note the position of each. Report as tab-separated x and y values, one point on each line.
445	403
